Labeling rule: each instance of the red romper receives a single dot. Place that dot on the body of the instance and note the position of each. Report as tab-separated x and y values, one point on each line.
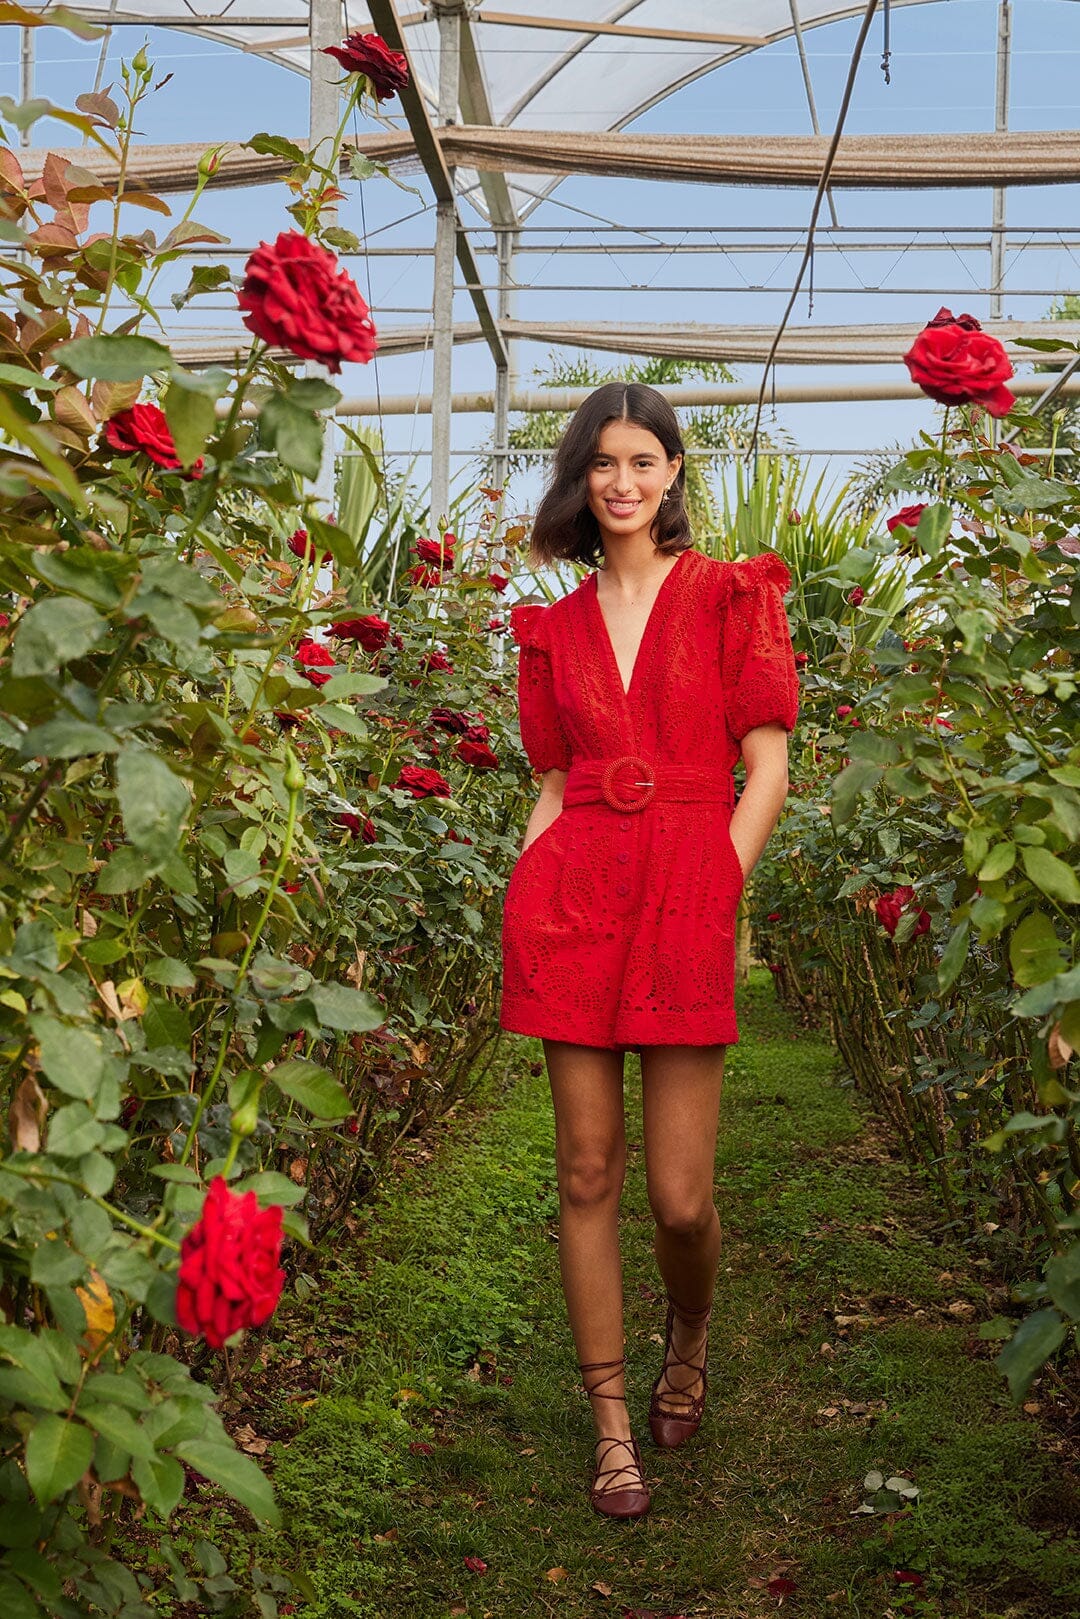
618	925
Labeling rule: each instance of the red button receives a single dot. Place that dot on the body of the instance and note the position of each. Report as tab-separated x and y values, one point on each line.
622	888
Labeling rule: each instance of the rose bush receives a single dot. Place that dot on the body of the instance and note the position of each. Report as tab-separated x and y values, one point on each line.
248	916
927	869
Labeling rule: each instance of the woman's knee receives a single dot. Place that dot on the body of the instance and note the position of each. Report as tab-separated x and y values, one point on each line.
682	1214
589	1179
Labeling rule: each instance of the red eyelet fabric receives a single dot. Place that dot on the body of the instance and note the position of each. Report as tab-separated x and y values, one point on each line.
618	924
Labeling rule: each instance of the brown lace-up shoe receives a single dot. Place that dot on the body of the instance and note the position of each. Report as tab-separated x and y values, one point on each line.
674	1414
611	1494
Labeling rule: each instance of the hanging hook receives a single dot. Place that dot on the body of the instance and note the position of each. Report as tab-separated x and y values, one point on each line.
886	44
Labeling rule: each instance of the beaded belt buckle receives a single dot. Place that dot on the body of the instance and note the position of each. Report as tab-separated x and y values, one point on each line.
643	768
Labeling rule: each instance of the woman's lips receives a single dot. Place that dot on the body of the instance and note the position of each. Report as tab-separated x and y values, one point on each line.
622	508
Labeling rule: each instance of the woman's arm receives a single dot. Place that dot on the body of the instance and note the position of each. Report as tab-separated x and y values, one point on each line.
765	755
547	807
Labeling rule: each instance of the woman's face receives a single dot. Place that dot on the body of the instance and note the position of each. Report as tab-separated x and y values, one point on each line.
627	478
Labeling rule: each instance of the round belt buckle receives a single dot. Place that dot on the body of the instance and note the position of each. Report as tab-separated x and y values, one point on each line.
643	769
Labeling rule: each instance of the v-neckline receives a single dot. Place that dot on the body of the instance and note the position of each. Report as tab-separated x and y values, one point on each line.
625	692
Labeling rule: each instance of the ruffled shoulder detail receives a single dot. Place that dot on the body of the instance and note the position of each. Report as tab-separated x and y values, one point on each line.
750	572
526	624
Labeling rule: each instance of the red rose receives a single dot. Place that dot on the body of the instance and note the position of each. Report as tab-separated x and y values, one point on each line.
442	555
352	823
457	837
449	719
794	517
956	363
843	711
229	1272
295	295
497	582
773	916
475	1565
908	515
144	428
424	576
302	547
372	632
801	659
422	783
314	658
890	907
287	721
436	660
386	71
368	831
478	733
476	754
855	597
496	624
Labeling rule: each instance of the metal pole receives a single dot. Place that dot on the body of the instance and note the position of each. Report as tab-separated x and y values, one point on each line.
324	113
26	76
442	377
505	375
1001	123
808	85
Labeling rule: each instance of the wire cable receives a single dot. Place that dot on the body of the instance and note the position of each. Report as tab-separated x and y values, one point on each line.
823	183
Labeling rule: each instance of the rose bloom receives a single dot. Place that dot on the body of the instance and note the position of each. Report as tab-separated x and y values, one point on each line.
302	547
890	907
856	596
295	295
436	660
449	719
422	783
908	515
350	822
773	916
843	711
497	582
314	659
372	632
477	733
387	71
431	551
457	837
801	659
229	1272
143	428
424	576
476	754
955	362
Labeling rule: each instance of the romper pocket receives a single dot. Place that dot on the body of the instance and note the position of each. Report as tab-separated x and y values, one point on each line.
541	837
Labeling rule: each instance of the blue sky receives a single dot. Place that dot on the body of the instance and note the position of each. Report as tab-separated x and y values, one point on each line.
943	67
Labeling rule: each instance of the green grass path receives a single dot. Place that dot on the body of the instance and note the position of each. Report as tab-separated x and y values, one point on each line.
425	1405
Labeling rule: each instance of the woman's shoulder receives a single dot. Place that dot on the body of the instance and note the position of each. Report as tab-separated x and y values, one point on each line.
748	574
530	622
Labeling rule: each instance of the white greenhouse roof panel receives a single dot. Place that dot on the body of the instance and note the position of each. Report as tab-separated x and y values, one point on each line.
538	74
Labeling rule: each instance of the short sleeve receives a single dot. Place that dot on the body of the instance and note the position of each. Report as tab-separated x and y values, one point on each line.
761	682
542	734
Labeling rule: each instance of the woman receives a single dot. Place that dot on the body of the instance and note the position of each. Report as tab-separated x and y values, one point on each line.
637	692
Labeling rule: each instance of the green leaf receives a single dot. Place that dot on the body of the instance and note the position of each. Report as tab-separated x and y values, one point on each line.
125	870
314	1088
54	632
191	418
933	529
954	956
276	146
66	738
1001	860
855	779
113	358
294	434
1052	875
351	1010
236	1473
1034	949
154	802
58	1452
73	1130
1029	1348
271	1187
72	1058
313	393
1063	1281
160	1482
119	1427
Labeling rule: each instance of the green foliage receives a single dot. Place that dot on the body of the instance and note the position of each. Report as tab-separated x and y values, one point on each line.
230	943
942	754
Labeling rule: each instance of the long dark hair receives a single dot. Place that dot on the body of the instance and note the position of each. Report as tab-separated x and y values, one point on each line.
564	527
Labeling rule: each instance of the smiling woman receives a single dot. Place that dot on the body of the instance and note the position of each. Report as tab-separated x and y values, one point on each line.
638	692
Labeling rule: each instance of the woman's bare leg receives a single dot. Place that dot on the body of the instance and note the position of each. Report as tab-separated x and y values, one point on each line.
681	1088
590	1156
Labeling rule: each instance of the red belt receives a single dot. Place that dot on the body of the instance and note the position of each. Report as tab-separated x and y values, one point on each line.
628	782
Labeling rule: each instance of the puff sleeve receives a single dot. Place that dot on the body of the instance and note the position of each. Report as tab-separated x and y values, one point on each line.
542	734
761	682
